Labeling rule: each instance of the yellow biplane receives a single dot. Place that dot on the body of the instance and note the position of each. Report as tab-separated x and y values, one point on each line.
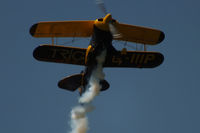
102	31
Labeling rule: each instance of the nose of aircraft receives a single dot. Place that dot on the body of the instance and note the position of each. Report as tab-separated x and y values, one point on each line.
103	24
108	18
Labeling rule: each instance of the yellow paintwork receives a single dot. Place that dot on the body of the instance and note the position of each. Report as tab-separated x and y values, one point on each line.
127	32
64	29
87	52
104	25
138	34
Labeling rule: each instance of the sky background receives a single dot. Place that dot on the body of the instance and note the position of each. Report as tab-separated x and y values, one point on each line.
161	100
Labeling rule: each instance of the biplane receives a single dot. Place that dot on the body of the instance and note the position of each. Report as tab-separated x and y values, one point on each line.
102	32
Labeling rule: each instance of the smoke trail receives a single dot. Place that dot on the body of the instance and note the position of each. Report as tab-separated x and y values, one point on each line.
79	120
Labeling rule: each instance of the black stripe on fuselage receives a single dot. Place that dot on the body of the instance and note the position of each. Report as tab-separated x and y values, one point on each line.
101	40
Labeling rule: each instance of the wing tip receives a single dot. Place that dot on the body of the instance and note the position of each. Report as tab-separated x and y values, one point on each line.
161	37
33	29
160	60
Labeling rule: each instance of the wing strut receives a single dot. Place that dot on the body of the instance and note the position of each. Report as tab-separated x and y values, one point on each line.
145	47
52	40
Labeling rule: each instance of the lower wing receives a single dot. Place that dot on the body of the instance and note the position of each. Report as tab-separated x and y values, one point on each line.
134	59
60	54
76	56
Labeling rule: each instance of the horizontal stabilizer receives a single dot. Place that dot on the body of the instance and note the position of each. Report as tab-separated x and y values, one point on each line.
104	85
71	83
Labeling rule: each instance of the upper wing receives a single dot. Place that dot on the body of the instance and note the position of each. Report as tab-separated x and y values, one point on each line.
139	34
62	29
134	59
60	54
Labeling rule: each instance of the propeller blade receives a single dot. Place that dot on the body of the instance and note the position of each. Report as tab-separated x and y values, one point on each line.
114	31
101	5
112	28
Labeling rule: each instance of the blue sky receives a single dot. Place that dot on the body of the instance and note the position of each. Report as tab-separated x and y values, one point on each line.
164	99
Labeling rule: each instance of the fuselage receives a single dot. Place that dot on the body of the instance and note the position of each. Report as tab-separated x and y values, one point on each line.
101	41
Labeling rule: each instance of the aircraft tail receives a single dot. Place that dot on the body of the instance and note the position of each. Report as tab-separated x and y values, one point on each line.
71	83
77	81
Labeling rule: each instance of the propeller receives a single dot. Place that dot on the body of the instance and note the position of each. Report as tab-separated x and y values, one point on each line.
101	5
115	33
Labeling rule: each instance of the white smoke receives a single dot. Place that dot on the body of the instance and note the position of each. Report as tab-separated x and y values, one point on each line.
79	120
